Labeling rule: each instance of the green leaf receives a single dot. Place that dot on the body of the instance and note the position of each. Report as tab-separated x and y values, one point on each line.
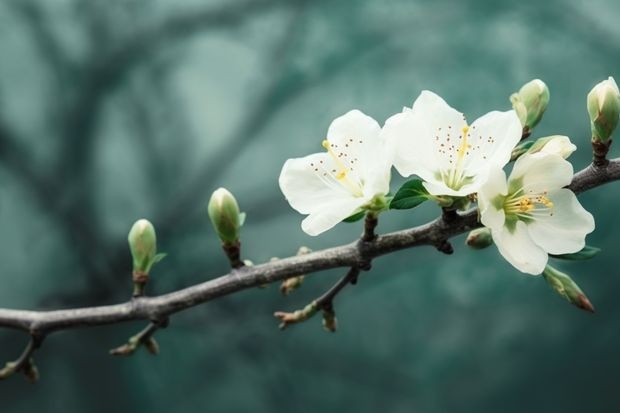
585	254
410	195
242	216
355	217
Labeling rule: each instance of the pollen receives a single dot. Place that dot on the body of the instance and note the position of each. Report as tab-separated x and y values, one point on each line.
528	205
343	168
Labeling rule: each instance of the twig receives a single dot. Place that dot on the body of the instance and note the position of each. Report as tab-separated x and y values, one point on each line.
351	255
24	362
325	303
144	337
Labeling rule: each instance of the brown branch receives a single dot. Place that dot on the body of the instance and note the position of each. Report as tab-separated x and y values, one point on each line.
355	254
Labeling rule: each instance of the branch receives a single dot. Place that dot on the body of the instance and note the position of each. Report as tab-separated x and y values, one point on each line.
356	254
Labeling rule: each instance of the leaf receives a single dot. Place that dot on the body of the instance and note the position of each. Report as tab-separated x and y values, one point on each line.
242	216
585	254
410	195
355	217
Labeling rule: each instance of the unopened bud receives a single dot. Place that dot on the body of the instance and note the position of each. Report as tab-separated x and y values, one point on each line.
555	144
479	238
330	323
143	245
604	109
567	288
530	103
225	216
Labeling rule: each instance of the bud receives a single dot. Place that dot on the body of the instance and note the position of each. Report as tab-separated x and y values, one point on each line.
225	216
330	322
479	238
604	109
530	102
143	245
555	144
567	288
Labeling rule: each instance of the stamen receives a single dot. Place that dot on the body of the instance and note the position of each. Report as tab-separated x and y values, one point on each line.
343	171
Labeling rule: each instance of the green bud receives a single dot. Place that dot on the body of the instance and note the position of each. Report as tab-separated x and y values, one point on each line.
604	109
479	238
143	245
567	288
225	216
530	102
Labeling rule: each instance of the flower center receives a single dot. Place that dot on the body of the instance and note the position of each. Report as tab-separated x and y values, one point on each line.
455	178
527	206
342	173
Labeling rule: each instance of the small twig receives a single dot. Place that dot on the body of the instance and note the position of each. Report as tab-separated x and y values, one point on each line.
600	150
325	303
144	337
370	223
233	252
24	362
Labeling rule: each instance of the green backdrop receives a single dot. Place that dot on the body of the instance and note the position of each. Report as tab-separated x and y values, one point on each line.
115	110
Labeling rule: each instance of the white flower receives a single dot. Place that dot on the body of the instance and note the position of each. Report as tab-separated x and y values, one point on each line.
532	215
353	174
432	140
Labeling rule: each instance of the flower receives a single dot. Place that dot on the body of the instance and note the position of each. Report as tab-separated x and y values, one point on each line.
531	215
434	141
352	175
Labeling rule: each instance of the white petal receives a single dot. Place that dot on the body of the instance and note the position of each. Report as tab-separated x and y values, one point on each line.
558	145
354	137
518	248
541	172
565	231
306	188
328	215
404	134
492	215
421	133
491	139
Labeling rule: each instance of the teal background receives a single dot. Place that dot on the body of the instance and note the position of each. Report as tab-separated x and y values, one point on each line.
115	110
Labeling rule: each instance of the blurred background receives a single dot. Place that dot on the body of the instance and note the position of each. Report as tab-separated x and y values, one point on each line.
116	110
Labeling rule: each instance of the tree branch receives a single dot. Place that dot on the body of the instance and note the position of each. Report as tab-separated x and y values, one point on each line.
356	254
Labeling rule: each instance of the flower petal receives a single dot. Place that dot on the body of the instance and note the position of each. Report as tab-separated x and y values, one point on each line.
328	215
419	136
491	214
307	183
518	248
541	172
491	139
564	230
354	138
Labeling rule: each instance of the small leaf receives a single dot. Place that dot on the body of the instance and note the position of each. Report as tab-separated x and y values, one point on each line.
585	254
242	216
355	217
410	195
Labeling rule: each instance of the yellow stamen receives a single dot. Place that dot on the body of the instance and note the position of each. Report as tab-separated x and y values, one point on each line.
343	171
526	204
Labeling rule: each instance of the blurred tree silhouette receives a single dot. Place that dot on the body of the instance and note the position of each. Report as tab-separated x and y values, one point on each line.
115	110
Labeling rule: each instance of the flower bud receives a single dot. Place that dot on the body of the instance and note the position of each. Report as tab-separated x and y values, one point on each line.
143	245
530	102
604	109
479	238
555	144
567	288
225	216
